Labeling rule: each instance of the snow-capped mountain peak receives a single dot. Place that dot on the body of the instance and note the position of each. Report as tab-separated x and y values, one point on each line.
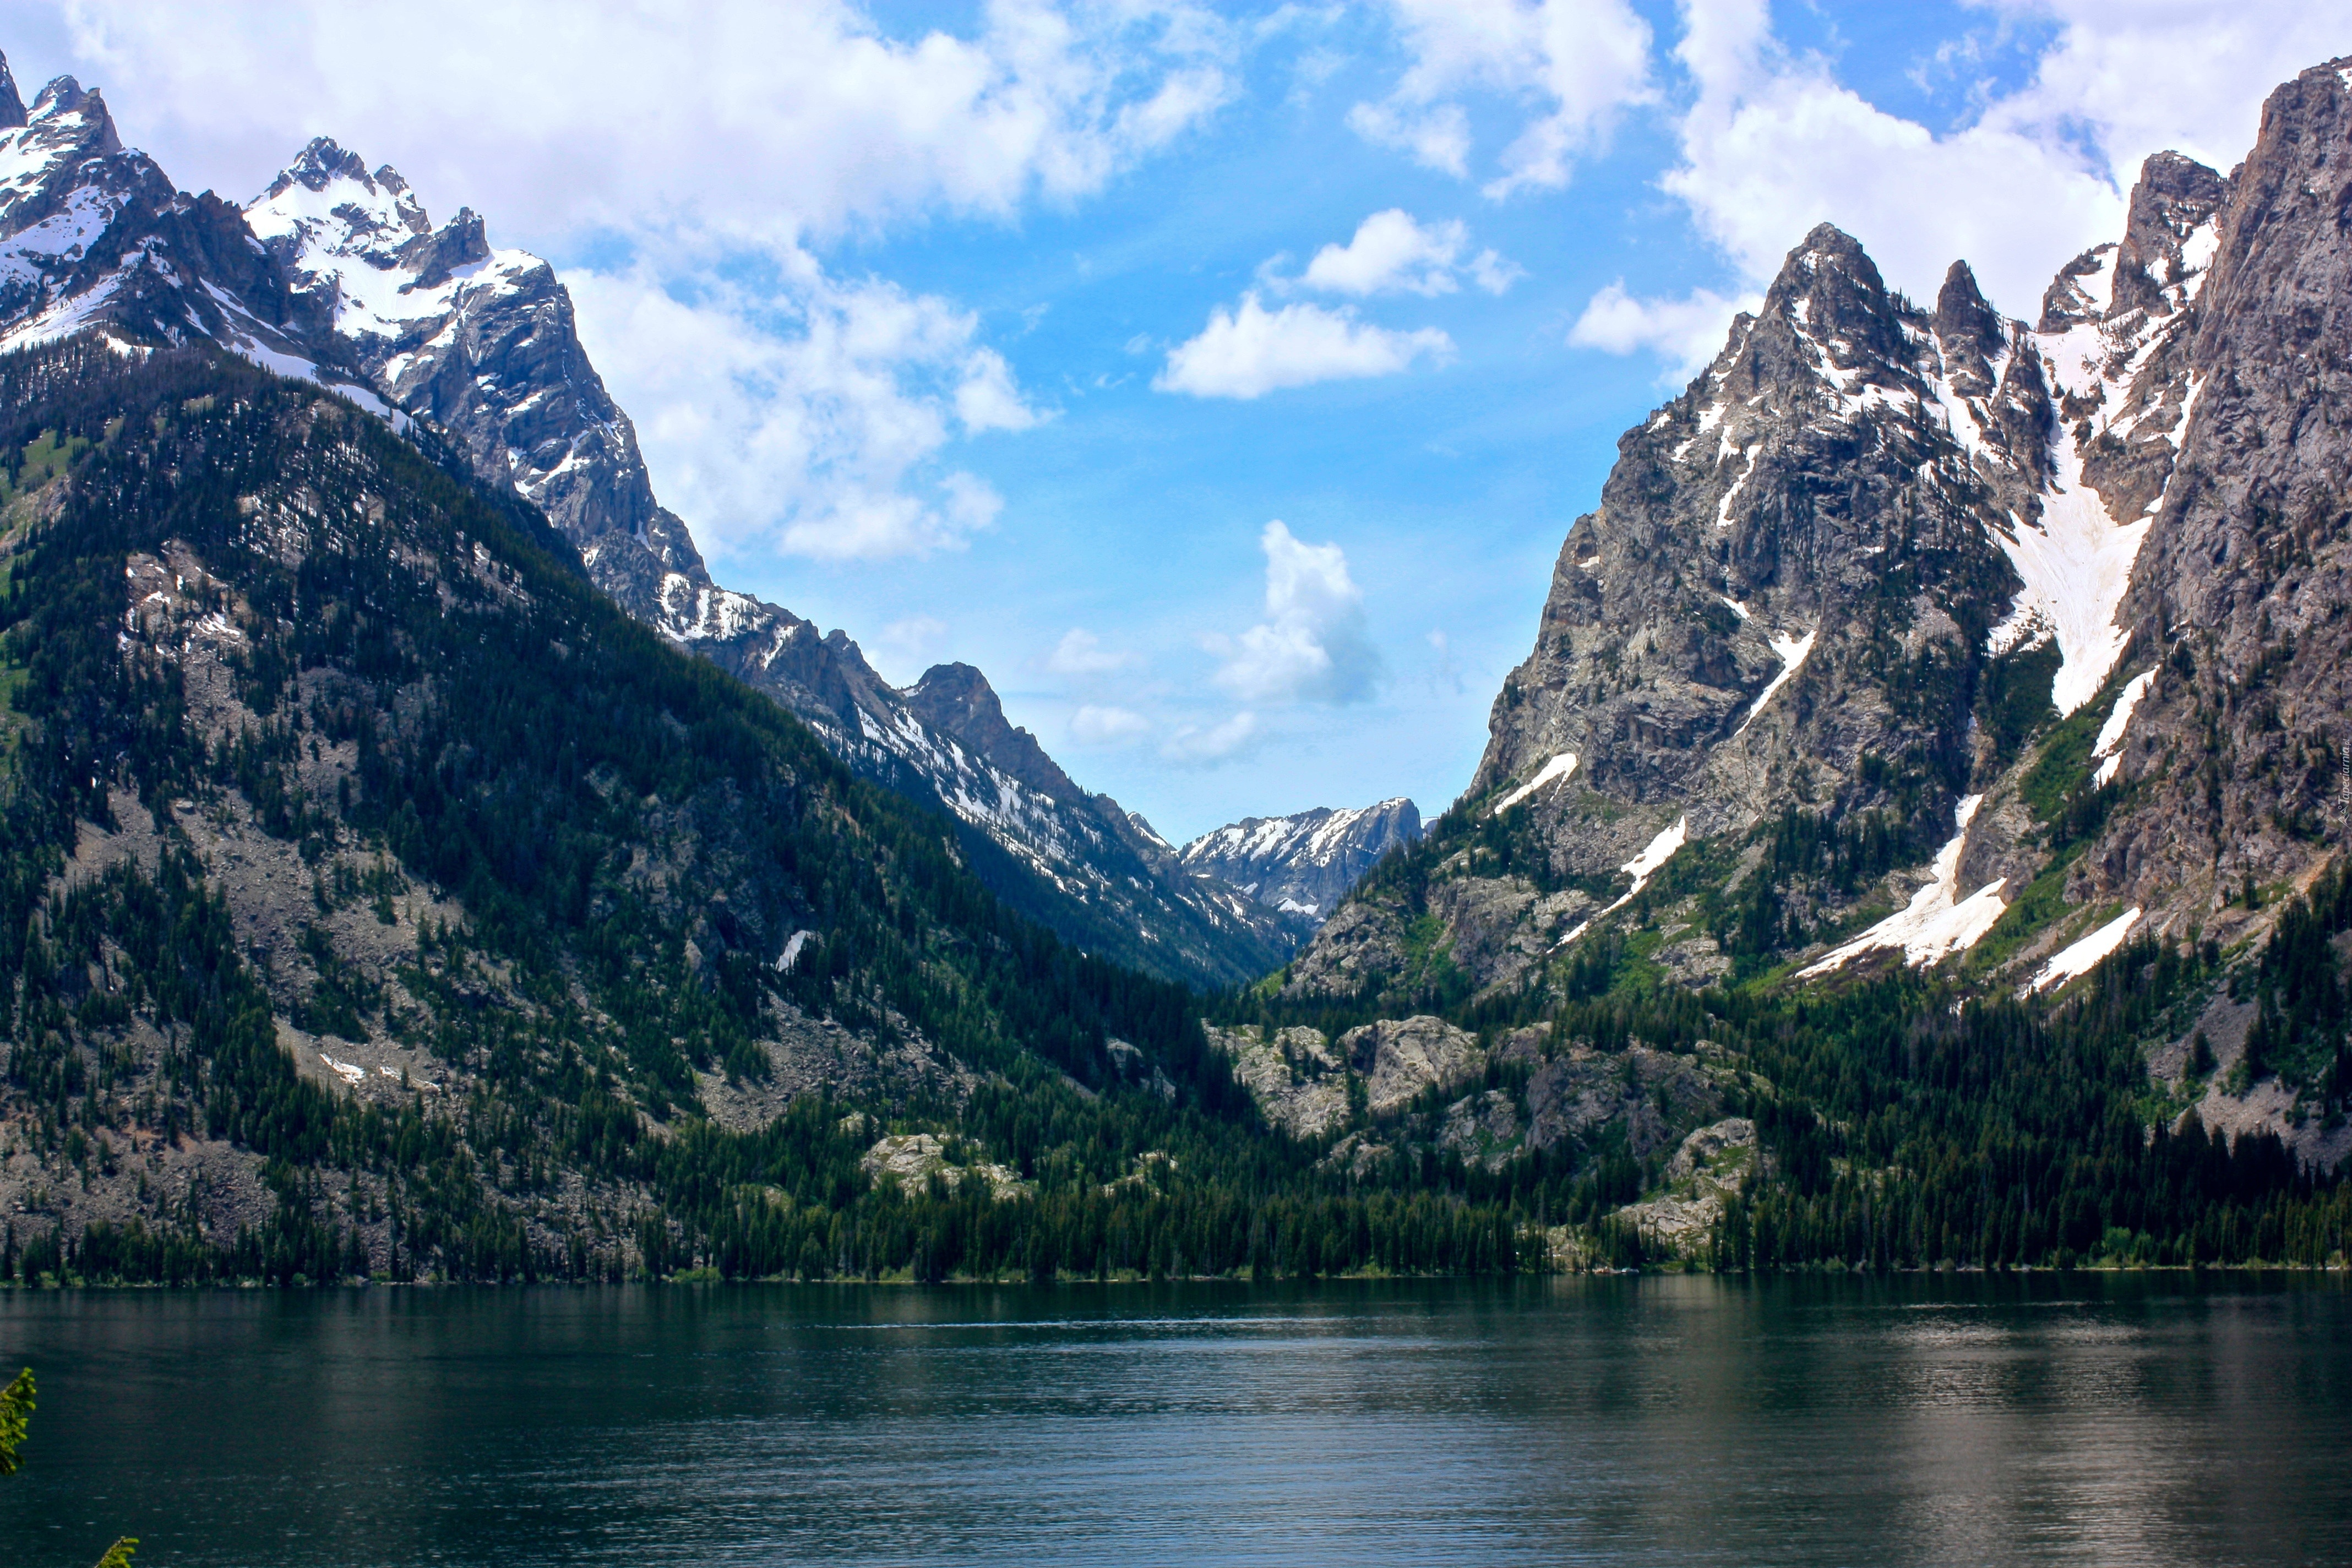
1304	863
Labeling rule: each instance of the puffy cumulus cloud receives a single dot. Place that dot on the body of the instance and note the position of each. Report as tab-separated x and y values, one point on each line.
1080	653
805	415
1103	724
2147	75
1686	333
1313	645
1392	254
1251	351
1207	745
1578	64
748	116
1773	144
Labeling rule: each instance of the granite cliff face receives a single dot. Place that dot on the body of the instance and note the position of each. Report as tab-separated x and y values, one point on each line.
2232	759
1305	863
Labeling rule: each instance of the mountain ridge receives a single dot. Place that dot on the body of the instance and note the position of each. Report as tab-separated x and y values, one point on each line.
1304	863
337	274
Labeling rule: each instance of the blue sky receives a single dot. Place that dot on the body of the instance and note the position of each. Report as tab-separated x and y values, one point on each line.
1005	332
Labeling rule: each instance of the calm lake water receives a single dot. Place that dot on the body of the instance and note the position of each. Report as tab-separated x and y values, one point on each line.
2161	1420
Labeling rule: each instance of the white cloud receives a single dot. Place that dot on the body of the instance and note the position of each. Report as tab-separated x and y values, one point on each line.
1199	746
749	118
1577	63
1494	273
910	644
1393	254
1773	144
1104	725
1081	653
1252	351
2147	75
810	416
1313	645
1688	333
1390	254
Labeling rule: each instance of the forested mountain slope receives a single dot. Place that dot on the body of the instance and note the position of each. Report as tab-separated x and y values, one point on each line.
339	275
381	897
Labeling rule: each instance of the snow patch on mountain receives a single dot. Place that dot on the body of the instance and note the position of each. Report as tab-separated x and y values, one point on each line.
1793	652
2084	956
1558	767
2109	744
1939	921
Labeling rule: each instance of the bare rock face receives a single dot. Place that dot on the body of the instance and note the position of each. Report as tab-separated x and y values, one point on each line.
2237	600
1398	1060
1298	1081
1713	1164
1650	1093
1360	947
1304	864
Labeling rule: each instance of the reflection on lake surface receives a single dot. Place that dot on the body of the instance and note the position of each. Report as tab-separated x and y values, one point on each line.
2108	1419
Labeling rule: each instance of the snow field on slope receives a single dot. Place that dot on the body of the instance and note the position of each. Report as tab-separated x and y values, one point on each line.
2109	744
1559	767
2084	956
1793	652
1939	921
1643	866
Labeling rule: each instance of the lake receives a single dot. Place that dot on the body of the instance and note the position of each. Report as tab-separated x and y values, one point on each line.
2153	1418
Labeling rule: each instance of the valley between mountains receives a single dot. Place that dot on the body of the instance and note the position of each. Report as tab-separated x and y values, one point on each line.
1914	837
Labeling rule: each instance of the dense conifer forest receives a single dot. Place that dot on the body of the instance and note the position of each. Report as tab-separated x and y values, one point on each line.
602	846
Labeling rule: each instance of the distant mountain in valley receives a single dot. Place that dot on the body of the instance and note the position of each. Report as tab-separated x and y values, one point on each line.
1303	864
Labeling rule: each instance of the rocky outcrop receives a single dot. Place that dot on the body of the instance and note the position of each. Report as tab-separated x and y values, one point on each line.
1299	1082
1306	863
1399	1061
914	1160
1714	1163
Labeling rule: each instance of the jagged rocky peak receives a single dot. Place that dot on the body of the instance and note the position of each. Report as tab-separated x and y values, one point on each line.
1973	336
1831	292
483	341
42	154
1307	862
957	700
2236	602
372	215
